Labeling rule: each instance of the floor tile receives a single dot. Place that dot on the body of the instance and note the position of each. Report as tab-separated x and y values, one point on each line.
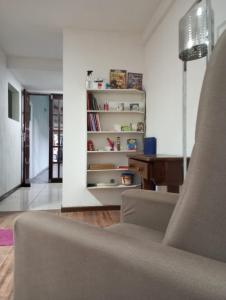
37	197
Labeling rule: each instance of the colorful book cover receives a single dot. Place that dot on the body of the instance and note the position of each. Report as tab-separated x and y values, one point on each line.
134	81
118	79
88	101
98	122
92	122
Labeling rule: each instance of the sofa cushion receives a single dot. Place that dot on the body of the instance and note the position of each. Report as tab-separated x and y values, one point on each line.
136	232
198	223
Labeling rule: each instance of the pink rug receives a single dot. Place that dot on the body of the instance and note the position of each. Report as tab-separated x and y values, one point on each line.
6	237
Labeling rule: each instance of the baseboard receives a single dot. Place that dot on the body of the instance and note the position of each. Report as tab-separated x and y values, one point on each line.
56	180
90	208
26	184
9	192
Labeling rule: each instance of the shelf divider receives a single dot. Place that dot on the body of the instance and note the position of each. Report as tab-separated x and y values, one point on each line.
114	187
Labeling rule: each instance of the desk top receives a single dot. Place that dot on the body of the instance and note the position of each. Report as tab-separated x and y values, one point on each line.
159	157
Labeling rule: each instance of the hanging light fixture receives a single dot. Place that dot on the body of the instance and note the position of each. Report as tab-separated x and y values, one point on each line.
195	42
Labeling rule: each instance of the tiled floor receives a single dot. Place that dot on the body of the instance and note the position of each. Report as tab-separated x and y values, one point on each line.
42	196
42	177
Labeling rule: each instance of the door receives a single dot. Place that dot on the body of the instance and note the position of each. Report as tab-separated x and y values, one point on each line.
56	138
26	138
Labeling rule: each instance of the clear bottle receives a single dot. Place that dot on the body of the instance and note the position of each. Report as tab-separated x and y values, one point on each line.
89	80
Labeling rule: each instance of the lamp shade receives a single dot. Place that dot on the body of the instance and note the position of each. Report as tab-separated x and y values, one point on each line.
195	32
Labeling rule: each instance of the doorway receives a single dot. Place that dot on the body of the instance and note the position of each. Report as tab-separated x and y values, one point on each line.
39	138
55	138
42	120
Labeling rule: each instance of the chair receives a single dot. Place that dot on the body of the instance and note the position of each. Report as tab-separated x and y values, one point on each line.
163	248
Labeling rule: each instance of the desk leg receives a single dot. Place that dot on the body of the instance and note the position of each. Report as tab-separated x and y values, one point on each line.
148	184
173	189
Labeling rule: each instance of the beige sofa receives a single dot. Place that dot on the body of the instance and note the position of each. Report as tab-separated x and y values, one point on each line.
156	252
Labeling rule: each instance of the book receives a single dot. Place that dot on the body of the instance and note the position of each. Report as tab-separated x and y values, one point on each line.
118	79
98	122
89	122
88	101
134	81
93	122
92	103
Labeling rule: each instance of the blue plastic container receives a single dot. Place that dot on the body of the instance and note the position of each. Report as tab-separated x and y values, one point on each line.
150	146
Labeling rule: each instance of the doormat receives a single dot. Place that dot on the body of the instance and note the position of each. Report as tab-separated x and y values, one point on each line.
6	237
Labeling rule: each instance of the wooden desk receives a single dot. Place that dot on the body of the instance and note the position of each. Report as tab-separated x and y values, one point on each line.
158	170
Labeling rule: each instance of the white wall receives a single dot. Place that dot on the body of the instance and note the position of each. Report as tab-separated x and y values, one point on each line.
164	80
86	50
100	52
39	134
10	134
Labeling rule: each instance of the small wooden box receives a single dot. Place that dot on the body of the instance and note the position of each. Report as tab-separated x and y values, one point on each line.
101	166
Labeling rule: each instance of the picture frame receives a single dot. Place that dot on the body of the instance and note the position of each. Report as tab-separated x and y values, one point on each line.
135	81
140	126
118	79
132	144
134	107
121	106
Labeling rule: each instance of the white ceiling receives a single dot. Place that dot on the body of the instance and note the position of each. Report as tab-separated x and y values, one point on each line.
39	81
33	28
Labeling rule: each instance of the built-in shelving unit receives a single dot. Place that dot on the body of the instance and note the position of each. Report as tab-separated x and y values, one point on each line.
108	111
116	132
117	91
114	187
108	170
111	152
115	112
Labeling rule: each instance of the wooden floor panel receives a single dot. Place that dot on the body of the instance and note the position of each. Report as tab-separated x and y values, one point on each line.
98	218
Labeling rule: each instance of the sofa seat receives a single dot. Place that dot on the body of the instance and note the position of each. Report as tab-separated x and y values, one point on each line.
136	232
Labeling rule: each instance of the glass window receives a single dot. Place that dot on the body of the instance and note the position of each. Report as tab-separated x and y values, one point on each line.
13	103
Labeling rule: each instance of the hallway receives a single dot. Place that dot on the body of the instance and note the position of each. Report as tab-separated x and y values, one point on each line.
43	177
40	196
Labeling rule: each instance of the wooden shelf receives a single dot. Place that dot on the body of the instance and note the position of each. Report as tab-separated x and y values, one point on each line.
115	132
115	111
113	152
108	170
96	98
128	91
114	187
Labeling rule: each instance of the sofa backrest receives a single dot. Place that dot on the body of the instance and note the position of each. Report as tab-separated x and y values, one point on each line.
198	223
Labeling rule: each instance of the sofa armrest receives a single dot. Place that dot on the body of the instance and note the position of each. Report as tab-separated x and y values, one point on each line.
56	258
148	208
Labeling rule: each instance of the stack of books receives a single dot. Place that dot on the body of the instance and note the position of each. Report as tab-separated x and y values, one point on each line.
92	103
93	122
